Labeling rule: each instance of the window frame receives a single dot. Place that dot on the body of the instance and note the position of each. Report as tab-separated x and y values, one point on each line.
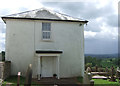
46	39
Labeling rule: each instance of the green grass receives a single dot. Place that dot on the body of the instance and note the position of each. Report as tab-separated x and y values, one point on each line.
80	79
13	80
105	82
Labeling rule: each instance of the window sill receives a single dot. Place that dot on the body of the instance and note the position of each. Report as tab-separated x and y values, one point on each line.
46	40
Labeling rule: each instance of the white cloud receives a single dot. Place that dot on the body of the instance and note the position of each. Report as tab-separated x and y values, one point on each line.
115	6
89	34
106	32
14	6
2	36
101	3
99	19
2	42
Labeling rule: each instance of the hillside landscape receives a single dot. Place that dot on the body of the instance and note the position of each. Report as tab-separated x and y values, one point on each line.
102	60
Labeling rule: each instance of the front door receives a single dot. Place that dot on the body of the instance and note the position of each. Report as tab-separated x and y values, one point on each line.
47	66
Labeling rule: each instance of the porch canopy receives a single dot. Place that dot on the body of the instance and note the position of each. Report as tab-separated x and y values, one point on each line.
48	53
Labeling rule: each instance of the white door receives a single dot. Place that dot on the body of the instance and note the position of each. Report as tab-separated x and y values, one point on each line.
47	66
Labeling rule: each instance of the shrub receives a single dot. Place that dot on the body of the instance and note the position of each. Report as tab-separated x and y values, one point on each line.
3	55
93	69
88	65
101	69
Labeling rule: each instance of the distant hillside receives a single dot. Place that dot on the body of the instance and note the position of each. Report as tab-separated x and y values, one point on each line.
103	55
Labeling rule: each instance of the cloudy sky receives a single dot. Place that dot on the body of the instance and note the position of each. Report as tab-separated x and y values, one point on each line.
101	33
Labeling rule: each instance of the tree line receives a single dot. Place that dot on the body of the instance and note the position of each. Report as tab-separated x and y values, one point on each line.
101	62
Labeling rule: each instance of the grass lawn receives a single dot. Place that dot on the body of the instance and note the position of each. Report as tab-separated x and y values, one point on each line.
13	80
105	82
80	79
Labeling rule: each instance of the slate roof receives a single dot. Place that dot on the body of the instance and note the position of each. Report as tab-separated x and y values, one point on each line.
43	14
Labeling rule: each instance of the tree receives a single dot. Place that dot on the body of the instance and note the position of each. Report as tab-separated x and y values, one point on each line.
3	55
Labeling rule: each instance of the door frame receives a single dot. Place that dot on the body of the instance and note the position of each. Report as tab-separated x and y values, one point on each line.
47	55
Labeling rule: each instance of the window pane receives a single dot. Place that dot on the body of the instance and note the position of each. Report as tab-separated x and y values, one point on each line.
49	35
46	35
43	35
46	26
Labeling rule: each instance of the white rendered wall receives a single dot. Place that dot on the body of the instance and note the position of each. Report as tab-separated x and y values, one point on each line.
19	45
25	36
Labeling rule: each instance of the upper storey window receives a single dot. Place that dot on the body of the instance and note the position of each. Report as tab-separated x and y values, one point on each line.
46	31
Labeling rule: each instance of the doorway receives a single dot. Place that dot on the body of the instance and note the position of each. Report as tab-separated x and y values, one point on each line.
48	66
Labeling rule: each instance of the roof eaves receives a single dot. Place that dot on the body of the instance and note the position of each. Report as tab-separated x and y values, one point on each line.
83	21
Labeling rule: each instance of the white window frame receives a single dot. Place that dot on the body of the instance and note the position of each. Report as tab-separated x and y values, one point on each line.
46	39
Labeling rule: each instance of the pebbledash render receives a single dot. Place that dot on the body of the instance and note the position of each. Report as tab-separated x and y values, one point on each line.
52	42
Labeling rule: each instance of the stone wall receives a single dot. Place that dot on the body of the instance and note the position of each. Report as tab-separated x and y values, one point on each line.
5	69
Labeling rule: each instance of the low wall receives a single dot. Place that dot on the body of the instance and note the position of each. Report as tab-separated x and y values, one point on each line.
5	69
